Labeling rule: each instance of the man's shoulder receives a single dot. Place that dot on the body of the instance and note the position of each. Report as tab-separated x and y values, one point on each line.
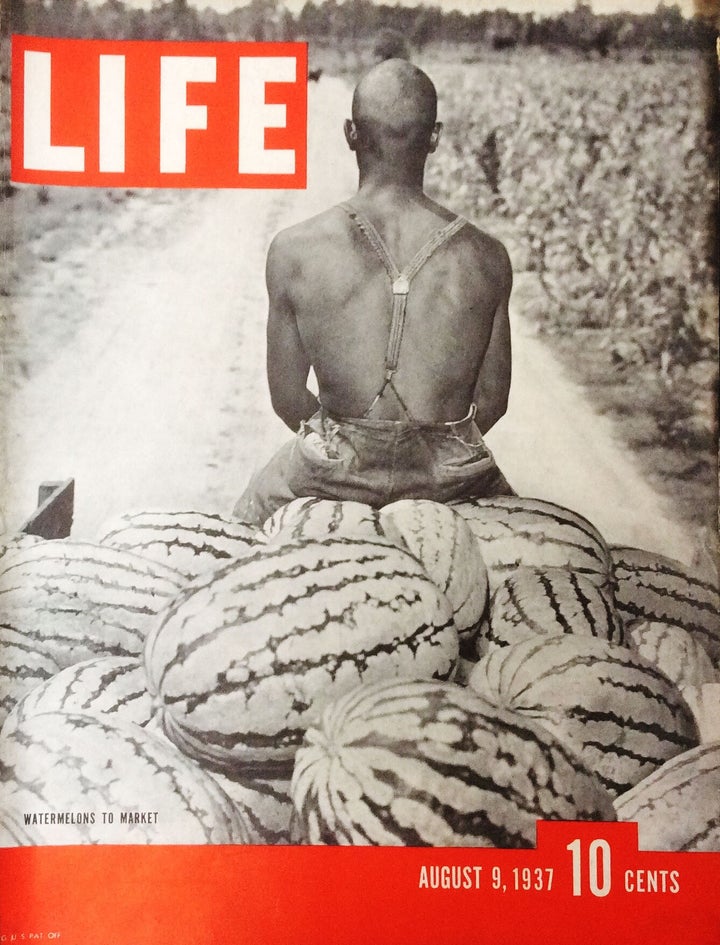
303	237
489	251
489	244
474	238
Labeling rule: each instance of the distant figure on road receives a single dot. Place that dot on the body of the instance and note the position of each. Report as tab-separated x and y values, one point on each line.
401	309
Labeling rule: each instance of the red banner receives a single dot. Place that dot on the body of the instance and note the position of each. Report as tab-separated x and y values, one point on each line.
158	114
585	882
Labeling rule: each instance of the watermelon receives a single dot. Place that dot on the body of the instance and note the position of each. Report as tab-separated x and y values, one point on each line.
677	807
105	685
264	804
322	518
430	763
620	714
445	546
548	601
649	586
244	659
674	651
75	600
22	667
61	772
514	531
189	542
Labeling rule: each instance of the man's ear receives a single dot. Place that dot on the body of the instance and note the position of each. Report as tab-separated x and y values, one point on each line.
350	133
435	136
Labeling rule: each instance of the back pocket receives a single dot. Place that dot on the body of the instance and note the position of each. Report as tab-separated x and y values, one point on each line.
463	455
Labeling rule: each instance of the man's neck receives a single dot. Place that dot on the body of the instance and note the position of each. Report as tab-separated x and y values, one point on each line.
380	189
403	177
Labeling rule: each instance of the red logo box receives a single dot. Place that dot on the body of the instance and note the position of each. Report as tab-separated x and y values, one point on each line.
104	113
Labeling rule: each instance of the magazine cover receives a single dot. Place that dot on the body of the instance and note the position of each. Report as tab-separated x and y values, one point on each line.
359	520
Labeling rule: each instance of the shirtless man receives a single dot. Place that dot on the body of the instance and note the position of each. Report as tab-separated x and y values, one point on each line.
401	309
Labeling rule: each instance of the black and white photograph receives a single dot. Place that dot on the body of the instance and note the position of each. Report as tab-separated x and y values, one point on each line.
381	511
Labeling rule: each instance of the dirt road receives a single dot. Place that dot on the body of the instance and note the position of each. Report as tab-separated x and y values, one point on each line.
158	397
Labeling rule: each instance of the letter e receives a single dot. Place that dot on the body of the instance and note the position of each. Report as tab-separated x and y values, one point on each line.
256	115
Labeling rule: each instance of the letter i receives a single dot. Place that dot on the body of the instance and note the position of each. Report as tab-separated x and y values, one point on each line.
112	114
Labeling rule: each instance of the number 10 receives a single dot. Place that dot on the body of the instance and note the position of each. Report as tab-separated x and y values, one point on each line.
598	865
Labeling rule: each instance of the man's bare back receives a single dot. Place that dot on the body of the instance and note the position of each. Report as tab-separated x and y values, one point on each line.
329	288
401	309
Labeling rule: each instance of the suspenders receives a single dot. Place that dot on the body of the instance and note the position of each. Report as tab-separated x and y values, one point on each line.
400	288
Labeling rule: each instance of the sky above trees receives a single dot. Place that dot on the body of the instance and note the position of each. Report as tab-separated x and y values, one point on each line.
558	6
548	7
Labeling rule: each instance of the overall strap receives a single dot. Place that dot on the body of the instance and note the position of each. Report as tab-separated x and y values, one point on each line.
400	280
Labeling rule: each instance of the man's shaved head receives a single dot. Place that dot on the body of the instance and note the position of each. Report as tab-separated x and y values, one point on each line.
396	95
393	113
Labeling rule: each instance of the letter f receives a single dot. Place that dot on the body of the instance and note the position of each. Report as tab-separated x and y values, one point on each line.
176	116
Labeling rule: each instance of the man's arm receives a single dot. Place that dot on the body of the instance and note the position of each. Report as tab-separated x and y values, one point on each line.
288	365
493	383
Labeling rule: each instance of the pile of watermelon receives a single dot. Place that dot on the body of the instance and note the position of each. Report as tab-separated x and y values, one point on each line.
421	674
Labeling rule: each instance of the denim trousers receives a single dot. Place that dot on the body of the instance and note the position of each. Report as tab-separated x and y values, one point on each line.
376	462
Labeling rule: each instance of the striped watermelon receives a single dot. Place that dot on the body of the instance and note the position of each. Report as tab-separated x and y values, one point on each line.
514	531
322	518
704	701
76	600
445	546
189	542
79	766
12	832
16	541
621	715
463	671
22	668
243	660
424	763
109	685
265	806
673	650
117	686
549	601
677	807
652	587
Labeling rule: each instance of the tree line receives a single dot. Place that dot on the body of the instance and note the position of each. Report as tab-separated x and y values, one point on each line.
360	21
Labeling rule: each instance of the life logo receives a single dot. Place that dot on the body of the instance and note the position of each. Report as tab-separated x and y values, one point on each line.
158	114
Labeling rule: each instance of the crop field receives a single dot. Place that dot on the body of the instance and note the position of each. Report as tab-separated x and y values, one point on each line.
599	176
604	170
